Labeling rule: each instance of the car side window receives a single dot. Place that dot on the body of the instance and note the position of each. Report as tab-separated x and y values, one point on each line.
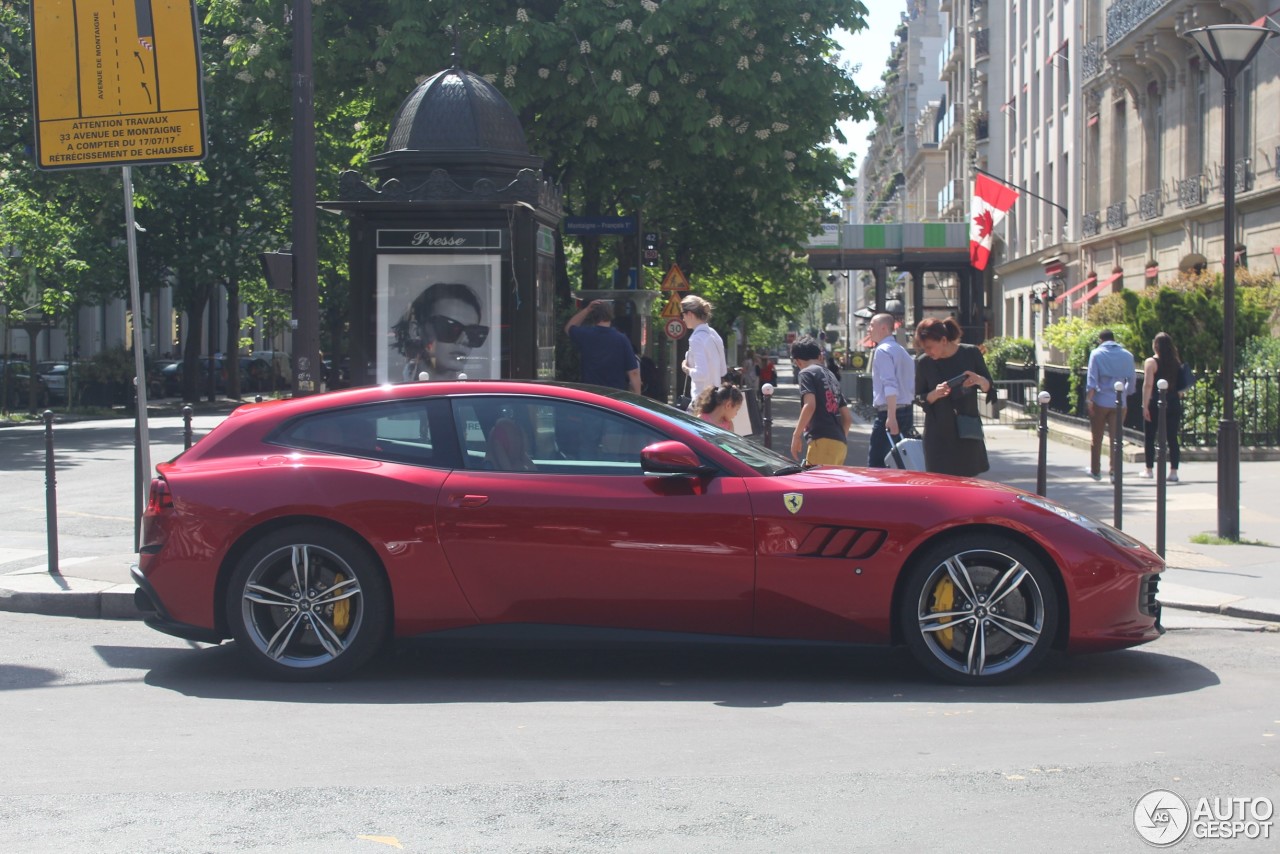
416	432
522	434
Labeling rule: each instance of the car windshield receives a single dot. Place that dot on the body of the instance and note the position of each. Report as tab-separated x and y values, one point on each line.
760	458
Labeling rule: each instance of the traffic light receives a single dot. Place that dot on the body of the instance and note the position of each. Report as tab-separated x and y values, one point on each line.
650	251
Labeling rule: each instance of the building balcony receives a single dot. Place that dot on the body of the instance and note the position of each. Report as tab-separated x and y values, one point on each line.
981	43
1191	191
1090	224
1243	174
1117	216
950	122
950	54
1149	206
1091	61
950	196
1125	16
982	127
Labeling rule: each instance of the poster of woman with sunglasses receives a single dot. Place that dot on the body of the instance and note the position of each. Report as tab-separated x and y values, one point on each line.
438	317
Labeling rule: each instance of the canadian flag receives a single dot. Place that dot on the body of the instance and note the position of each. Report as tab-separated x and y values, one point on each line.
991	201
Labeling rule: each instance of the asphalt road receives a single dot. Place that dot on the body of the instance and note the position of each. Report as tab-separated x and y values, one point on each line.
118	739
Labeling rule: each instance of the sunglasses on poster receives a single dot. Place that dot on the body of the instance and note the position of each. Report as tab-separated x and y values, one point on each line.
447	331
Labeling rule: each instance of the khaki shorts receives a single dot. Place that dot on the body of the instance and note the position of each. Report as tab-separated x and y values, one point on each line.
826	452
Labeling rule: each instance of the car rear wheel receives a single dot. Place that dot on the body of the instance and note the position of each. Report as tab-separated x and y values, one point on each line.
979	610
306	603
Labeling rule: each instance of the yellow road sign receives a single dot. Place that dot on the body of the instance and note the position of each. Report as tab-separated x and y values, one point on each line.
672	308
674	280
116	82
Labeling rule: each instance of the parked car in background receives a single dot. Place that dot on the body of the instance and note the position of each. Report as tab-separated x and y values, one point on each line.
280	377
55	376
15	385
156	387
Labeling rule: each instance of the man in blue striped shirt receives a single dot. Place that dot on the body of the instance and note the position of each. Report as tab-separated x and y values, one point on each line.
893	385
1108	363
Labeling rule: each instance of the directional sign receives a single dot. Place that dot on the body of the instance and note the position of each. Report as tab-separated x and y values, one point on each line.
116	82
674	329
599	225
672	308
674	280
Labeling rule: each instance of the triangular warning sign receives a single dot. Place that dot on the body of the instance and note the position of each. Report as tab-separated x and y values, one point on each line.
672	308
674	280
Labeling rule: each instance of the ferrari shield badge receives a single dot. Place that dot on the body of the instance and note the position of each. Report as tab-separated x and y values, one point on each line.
793	501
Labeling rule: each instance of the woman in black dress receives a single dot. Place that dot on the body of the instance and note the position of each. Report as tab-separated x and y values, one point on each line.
944	358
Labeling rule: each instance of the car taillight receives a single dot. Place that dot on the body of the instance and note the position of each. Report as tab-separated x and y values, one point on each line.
159	499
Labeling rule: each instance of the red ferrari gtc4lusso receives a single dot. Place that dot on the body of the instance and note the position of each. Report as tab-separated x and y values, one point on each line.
313	530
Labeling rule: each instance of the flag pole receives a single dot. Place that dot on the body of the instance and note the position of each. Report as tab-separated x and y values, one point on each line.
1024	190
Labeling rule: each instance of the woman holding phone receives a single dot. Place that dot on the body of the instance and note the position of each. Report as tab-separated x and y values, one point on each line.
949	376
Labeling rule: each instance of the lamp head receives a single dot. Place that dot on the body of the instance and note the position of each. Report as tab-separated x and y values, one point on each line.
1229	47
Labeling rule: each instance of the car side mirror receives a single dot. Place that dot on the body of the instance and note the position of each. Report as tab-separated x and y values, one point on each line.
671	457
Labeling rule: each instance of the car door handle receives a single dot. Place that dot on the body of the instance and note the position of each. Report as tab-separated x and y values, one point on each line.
473	501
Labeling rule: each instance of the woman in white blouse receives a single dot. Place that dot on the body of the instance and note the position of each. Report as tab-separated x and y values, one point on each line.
705	362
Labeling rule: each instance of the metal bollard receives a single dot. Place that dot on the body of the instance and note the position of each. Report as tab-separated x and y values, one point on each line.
50	493
257	398
1117	458
1162	401
186	427
1042	476
766	391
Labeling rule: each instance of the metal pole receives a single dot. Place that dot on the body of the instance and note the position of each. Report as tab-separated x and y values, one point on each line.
142	455
1162	421
186	427
766	392
306	290
50	494
1042	476
1228	429
1117	457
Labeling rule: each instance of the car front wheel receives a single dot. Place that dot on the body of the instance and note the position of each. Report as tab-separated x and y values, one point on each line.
306	603
979	610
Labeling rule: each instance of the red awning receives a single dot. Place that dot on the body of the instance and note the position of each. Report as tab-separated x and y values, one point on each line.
1102	284
1060	297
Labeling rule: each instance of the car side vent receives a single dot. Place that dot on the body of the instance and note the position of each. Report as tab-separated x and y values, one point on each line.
1147	591
832	541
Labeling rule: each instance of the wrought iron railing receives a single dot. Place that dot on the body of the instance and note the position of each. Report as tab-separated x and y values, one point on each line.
1149	205
1191	191
1243	175
1091	61
1117	216
1090	224
1125	16
982	42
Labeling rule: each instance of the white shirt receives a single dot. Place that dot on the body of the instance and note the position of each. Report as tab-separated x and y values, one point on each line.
706	361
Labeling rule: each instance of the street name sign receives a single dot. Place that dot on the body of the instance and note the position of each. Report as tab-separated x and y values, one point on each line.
117	82
599	225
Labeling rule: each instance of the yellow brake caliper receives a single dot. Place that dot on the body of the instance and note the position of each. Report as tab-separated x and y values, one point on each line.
944	596
342	609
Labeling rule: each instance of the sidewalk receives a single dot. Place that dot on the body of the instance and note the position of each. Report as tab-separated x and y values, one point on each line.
1233	580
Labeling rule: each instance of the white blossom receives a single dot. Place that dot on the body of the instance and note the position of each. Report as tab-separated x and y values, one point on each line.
649	6
380	67
655	164
522	15
544	73
562	65
791	167
805	17
269	73
634	89
244	76
509	82
702	93
775	77
624	26
733	25
616	76
571	80
735	121
231	40
254	50
715	121
511	69
258	26
686	79
382	31
743	63
584	47
490	78
744	127
739	172
654	97
592	121
719	40
663	49
359	126
788	155
779	127
762	134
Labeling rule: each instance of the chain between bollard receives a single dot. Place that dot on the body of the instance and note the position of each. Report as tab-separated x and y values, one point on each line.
766	392
50	494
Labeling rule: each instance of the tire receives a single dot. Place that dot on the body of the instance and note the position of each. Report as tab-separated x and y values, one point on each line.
313	633
1016	608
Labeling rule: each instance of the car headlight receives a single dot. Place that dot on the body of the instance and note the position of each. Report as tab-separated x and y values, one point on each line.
1102	529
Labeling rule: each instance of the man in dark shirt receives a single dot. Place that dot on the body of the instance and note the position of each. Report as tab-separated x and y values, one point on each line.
606	355
824	413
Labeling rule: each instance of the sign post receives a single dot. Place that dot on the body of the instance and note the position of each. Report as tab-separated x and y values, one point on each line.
130	93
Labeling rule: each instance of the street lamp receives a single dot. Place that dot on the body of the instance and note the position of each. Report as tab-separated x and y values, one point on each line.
1229	48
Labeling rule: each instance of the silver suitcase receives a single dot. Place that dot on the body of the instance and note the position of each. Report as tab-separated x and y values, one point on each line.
911	452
